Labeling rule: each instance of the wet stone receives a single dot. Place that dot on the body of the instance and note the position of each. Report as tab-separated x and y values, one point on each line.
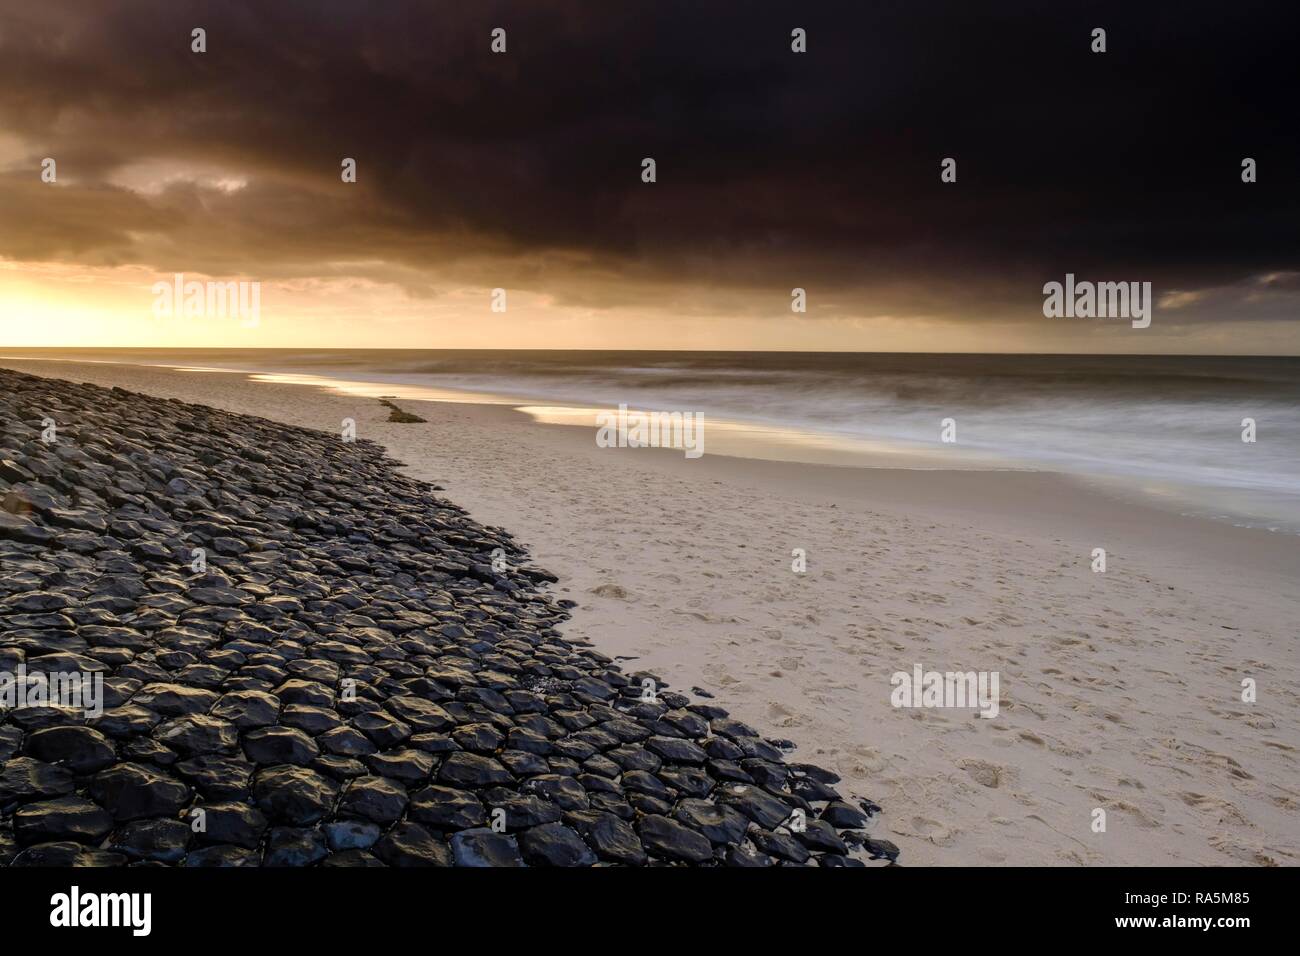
352	858
814	791
521	810
472	770
146	750
82	750
734	729
217	777
63	818
691	781
761	807
783	846
23	778
338	768
381	730
747	855
647	804
820	835
554	844
677	750
528	741
374	798
635	758
126	721
346	742
881	849
639	781
612	838
247	709
11	739
478	738
351	834
672	841
309	719
174	700
235	823
42	601
197	734
523	764
293	795
279	745
38	718
408	766
161	840
65	854
433	743
223	856
423	715
409	844
132	791
602	766
448	808
287	846
844	816
563	791
610	804
764	772
719	823
482	847
296	691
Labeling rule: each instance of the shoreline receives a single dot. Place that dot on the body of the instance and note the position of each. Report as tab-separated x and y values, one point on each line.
684	565
765	440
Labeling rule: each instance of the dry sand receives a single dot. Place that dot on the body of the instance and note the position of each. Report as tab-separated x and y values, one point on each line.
1119	691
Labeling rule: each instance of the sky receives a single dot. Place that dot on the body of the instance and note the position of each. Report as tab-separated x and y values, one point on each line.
774	170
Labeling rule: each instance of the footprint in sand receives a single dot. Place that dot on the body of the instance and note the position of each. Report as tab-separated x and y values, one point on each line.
984	773
1254	855
1219	809
1145	820
931	830
782	716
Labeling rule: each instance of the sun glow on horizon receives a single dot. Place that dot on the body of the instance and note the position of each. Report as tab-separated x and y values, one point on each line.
59	305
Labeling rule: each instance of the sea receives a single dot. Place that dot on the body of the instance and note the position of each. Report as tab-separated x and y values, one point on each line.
1168	427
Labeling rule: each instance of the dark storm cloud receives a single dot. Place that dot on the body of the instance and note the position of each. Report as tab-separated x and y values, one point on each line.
774	169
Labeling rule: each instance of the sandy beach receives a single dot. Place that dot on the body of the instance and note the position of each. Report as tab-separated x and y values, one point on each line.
1119	690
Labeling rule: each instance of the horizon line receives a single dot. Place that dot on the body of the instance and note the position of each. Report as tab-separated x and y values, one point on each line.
4	350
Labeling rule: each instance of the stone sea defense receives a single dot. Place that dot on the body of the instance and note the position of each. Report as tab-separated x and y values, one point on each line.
287	653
